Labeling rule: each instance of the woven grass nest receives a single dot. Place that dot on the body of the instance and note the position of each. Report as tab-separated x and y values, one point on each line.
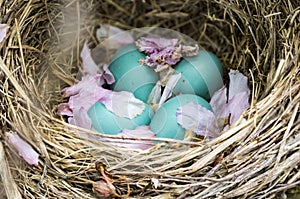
258	157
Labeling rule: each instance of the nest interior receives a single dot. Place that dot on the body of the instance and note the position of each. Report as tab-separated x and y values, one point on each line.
257	157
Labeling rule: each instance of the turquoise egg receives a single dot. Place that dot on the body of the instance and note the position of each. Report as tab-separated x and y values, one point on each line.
164	122
130	74
107	122
201	75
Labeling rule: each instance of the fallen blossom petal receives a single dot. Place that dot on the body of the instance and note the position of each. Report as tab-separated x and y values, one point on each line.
24	149
139	132
154	44
188	51
105	188
84	95
218	101
236	105
238	83
198	119
3	31
88	64
86	81
163	52
123	104
64	109
81	119
169	88
155	95
107	75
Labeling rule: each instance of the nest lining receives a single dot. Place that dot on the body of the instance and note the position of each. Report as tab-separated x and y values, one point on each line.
257	157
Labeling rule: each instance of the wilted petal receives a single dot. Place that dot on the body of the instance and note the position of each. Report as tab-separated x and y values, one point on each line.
198	119
24	149
236	105
169	88
81	119
3	31
88	64
139	132
84	95
154	44
238	83
85	83
107	75
123	104
218	101
162	52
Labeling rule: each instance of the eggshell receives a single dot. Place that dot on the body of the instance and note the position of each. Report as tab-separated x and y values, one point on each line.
164	122
130	74
201	75
107	122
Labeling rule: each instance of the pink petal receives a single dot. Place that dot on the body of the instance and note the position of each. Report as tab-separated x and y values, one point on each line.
80	119
64	109
88	64
24	149
123	104
84	95
86	81
218	101
3	31
107	75
238	83
139	132
236	105
198	119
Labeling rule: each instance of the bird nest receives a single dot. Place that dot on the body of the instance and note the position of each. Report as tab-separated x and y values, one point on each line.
257	157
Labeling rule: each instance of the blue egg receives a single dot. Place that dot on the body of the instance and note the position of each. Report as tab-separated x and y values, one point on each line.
164	122
130	74
107	122
201	75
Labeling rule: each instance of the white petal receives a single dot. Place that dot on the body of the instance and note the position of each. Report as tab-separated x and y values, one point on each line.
169	88
88	64
198	119
238	83
123	104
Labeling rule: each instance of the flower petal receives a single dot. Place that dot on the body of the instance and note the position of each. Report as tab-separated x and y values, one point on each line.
88	64
3	31
24	149
236	105
218	101
123	104
238	83
139	132
169	88
198	119
81	119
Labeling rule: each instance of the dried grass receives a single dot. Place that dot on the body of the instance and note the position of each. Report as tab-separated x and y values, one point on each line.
257	157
